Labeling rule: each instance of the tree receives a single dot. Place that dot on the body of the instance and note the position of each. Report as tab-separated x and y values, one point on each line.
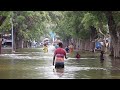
28	25
114	31
3	16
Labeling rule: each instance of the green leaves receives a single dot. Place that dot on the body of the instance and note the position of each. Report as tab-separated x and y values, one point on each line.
74	24
5	25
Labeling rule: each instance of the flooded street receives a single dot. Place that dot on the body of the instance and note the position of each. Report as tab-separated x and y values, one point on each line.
35	64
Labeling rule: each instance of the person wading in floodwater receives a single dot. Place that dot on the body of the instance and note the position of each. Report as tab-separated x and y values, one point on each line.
45	48
67	49
77	55
71	48
58	58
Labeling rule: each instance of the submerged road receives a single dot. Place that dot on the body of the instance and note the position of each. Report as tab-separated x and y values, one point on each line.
34	64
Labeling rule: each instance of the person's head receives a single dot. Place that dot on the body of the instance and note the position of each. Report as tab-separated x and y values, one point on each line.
60	44
45	44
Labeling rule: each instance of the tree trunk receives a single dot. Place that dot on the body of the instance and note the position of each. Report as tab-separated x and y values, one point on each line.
26	44
113	32
93	36
16	39
0	43
81	45
20	43
66	42
87	45
2	19
111	49
77	44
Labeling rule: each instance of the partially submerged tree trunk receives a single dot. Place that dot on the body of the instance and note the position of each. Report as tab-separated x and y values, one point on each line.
18	40
0	43
87	45
20	43
26	44
15	40
115	34
66	42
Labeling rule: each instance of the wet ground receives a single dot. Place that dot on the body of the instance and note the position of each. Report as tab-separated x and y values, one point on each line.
34	64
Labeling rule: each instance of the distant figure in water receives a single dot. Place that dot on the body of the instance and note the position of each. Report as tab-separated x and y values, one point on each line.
102	55
67	49
77	55
45	48
71	48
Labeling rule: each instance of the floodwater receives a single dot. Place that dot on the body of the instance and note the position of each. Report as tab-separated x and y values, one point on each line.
34	64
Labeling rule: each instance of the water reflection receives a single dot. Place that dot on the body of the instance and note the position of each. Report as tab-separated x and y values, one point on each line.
59	72
102	62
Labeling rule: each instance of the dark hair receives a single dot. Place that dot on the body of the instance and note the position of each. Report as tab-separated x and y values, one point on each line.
60	44
45	44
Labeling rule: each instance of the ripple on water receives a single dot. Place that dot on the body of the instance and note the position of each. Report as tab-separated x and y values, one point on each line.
71	68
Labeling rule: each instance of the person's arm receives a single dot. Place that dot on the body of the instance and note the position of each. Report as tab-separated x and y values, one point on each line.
65	55
53	59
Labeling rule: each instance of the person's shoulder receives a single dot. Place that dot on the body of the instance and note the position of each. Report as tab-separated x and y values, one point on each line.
64	49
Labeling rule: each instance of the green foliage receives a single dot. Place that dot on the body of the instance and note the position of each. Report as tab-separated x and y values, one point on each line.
32	25
70	25
6	24
29	24
4	13
76	24
89	20
116	15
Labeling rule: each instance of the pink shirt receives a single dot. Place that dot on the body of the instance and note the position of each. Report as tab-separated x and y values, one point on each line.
60	54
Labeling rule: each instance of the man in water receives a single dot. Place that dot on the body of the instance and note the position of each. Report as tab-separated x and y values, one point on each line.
67	49
77	55
59	55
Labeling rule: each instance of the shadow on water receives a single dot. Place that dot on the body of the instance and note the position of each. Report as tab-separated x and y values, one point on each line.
34	64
